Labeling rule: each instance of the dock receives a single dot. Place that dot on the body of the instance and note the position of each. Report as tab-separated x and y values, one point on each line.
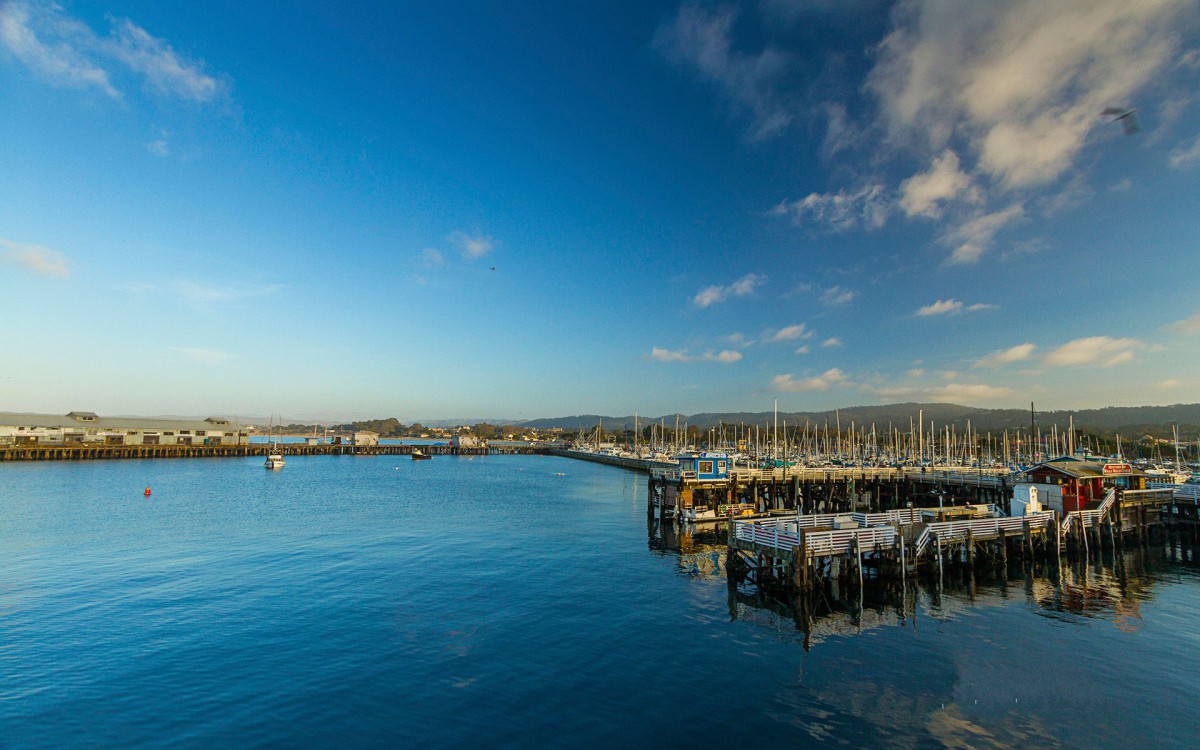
100	451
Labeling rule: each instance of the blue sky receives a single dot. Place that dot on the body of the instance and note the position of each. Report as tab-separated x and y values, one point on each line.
241	209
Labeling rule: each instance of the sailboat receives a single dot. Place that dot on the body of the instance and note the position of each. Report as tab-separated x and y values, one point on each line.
275	459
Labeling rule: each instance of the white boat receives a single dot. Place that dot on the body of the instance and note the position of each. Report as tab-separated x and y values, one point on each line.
275	460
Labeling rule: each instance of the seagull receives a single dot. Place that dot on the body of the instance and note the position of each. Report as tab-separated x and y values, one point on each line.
493	268
1127	117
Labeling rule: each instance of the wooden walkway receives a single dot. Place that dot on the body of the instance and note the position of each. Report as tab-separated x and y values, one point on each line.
88	451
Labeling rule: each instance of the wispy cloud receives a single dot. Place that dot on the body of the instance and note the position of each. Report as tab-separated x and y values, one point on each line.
1018	353
1186	154
160	146
472	245
831	342
941	307
961	393
66	52
787	383
1103	351
971	237
700	40
164	69
1188	325
34	258
835	296
432	257
866	207
794	332
208	357
950	307
726	356
711	295
203	294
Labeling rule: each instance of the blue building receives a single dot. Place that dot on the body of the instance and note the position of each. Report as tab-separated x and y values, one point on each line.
704	465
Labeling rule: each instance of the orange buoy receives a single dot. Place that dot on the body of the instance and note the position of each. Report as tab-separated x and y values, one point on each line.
147	492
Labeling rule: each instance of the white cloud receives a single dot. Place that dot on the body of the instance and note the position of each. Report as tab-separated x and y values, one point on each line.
835	296
972	237
923	194
916	372
823	382
941	307
202	356
969	392
1188	325
432	257
472	245
725	356
52	46
1102	351
667	355
1170	384
67	52
160	146
1023	81
710	295
700	39
962	393
801	350
831	342
1018	353
869	207
793	332
995	101
1186	154
34	258
164	69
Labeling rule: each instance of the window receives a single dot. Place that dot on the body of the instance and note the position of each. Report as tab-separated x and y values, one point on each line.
706	467
721	467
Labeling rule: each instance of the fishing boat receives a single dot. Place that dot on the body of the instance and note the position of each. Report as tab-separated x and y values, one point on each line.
417	455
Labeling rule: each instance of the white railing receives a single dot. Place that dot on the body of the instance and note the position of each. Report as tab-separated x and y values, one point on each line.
902	517
844	541
1179	491
946	532
1089	518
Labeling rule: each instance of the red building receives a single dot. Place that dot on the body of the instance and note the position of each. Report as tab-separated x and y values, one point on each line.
1084	483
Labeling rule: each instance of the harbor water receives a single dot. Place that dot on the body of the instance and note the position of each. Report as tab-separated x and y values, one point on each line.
519	601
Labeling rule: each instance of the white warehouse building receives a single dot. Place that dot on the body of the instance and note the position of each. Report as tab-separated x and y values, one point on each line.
85	427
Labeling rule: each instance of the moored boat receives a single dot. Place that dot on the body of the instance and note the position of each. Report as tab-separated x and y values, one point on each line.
417	455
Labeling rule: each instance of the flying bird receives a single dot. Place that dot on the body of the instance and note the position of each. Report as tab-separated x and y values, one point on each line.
1127	117
493	268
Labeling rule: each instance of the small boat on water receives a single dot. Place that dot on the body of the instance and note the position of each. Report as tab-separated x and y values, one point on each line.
417	455
275	459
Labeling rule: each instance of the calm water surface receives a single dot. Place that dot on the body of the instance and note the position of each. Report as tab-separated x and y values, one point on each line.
518	601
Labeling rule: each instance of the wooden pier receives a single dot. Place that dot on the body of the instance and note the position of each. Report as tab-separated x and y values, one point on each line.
803	553
88	451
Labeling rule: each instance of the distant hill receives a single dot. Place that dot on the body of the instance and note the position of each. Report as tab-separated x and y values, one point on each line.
1128	420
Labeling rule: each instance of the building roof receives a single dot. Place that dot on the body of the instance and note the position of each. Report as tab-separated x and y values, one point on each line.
53	421
1086	469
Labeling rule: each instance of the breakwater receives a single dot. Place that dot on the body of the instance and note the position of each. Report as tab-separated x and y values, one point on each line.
86	451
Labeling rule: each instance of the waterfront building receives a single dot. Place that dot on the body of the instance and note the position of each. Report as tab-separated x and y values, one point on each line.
85	427
1084	483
